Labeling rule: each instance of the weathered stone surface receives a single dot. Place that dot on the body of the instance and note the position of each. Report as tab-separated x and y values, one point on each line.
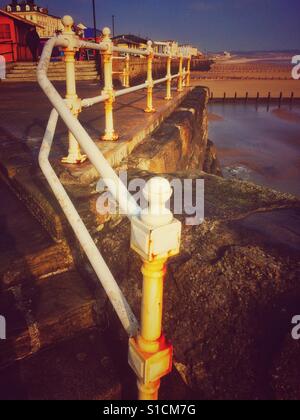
212	164
48	262
39	285
46	312
228	295
77	369
285	371
48	305
180	143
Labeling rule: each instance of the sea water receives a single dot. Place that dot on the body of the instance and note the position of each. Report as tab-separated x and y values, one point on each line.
257	144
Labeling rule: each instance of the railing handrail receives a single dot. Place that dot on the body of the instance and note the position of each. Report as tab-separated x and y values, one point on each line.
127	202
146	226
104	274
121	194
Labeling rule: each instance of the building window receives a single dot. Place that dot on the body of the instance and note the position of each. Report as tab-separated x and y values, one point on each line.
5	32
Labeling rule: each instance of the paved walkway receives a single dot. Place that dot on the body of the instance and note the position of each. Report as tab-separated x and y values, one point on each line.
24	112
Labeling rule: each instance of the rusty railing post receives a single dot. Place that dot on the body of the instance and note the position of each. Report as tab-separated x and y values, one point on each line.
110	134
72	100
127	71
155	236
180	78
150	84
169	75
188	79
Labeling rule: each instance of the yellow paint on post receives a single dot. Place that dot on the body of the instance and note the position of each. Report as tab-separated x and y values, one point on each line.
169	81
74	153
188	79
150	86
127	72
180	78
152	303
150	355
110	134
148	392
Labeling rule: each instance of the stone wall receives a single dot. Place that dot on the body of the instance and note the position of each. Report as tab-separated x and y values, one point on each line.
229	296
181	142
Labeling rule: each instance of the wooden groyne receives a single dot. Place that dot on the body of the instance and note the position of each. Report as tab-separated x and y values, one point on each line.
280	100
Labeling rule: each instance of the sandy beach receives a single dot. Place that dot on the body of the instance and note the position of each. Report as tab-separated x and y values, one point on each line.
250	75
241	87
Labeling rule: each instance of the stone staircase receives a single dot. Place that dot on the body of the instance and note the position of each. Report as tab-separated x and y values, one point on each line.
26	72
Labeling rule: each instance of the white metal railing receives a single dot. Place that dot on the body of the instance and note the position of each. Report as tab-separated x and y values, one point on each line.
107	280
155	233
108	53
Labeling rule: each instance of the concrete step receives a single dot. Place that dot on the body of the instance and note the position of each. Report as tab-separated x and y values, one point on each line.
43	297
32	79
51	70
80	368
28	69
58	65
52	63
51	73
44	312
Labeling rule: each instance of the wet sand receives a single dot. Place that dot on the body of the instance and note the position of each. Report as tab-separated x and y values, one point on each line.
258	146
215	117
286	115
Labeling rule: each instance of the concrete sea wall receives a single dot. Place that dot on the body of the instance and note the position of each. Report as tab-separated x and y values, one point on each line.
181	141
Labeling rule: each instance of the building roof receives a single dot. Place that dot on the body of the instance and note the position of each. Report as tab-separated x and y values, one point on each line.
81	26
133	39
26	6
33	8
19	18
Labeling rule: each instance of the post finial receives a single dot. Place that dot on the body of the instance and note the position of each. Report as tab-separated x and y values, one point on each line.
169	49
68	23
157	192
106	33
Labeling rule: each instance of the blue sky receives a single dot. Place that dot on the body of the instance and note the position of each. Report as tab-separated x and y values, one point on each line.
209	24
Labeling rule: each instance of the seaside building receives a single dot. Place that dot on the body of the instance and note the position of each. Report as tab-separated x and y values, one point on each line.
48	24
13	31
130	41
187	49
161	47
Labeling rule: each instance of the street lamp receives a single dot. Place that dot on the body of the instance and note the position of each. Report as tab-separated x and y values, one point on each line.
113	24
95	24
